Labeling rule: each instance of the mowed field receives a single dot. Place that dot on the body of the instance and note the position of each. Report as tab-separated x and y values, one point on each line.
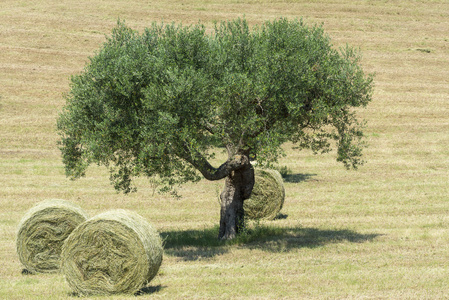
381	232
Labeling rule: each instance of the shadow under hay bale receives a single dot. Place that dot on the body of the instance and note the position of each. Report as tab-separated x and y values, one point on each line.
148	290
114	252
42	232
267	197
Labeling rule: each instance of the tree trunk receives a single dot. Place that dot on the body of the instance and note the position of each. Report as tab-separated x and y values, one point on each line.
238	187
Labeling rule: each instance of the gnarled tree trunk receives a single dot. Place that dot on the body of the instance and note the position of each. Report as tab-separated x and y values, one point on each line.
238	187
239	181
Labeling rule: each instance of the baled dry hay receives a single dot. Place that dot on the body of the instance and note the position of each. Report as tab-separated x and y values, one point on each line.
267	197
114	252
42	232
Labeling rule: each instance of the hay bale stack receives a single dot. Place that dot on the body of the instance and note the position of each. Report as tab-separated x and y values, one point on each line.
267	197
42	232
114	252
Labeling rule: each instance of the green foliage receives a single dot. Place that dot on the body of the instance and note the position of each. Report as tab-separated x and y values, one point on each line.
162	101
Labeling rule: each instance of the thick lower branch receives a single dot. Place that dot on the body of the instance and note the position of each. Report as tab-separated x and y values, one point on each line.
209	172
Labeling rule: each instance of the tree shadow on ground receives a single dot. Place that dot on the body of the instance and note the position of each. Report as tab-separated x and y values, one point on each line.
194	245
297	178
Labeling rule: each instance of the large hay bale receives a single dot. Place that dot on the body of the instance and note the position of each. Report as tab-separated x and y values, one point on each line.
267	197
42	231
114	252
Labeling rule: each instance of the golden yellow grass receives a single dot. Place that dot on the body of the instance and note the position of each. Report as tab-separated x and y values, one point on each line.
381	232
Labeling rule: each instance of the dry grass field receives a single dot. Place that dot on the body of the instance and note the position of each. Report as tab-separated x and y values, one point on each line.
381	232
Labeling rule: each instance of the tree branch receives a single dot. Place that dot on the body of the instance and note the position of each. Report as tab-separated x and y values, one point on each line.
209	127
208	171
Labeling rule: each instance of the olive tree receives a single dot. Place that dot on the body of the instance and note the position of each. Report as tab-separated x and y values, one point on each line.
164	101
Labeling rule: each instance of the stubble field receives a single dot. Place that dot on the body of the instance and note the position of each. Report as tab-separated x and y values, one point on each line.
381	232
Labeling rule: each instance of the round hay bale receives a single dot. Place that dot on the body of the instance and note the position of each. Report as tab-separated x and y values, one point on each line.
114	252
267	197
42	231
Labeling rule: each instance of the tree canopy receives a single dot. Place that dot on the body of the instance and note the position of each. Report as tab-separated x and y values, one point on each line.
165	100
